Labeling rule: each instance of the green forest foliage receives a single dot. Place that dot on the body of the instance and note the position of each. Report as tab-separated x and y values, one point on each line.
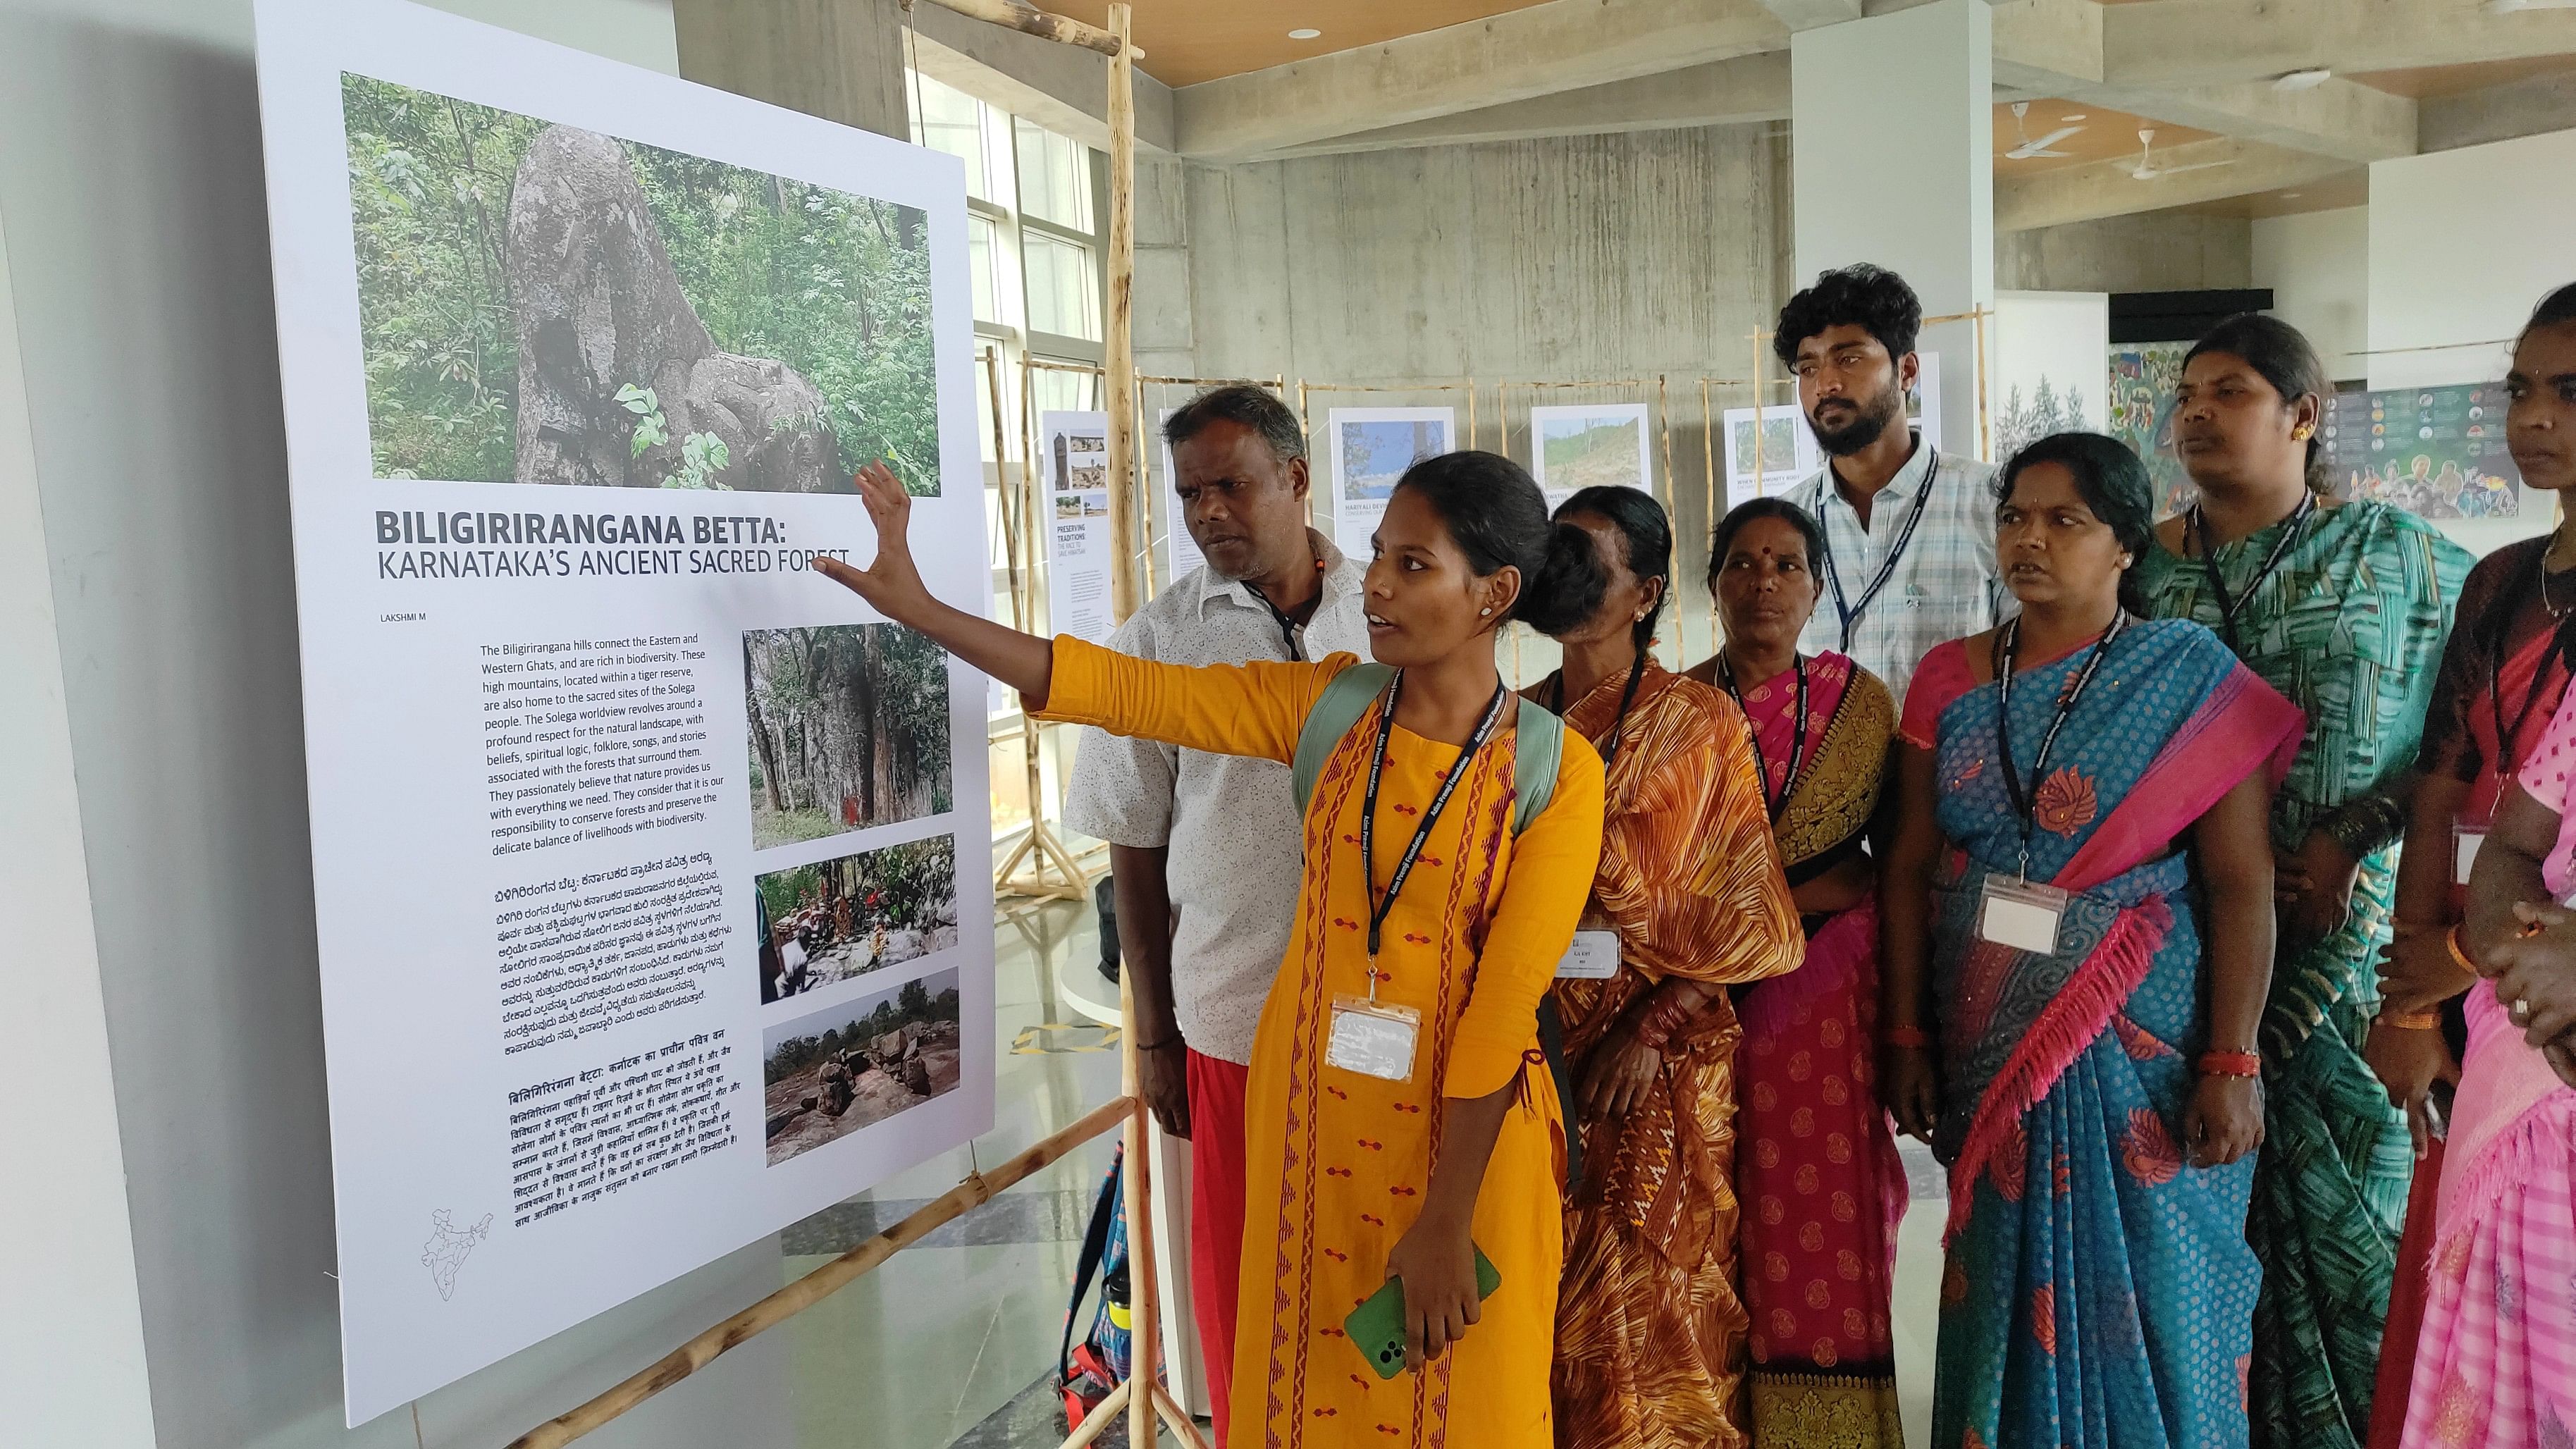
912	1004
836	286
915	884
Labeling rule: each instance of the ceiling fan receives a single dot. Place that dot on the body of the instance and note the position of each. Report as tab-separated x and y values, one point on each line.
2148	170
2030	148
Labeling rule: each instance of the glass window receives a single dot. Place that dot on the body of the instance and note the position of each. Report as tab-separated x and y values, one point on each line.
1062	297
984	403
1059	390
953	121
979	261
1055	177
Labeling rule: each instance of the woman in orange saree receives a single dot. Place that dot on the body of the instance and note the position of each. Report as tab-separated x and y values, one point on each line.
1649	1329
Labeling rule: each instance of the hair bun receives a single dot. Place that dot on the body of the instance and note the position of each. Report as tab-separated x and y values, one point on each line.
1569	585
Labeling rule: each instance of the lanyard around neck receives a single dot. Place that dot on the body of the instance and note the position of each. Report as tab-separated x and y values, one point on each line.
2198	525
1379	909
2007	644
1797	741
1619	721
1290	631
1851	613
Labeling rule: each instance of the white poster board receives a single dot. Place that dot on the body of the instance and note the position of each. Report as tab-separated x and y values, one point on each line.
2051	371
1923	404
1580	445
1788	454
569	746
1371	448
1181	549
1073	458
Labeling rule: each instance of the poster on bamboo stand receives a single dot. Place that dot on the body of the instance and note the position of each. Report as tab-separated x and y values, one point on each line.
649	866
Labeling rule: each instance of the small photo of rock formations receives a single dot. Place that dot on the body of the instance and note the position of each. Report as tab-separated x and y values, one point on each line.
544	304
832	1073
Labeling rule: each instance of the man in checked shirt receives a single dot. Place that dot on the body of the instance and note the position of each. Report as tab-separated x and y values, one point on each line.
1909	558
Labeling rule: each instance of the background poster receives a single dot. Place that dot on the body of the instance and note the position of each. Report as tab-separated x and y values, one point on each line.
1789	454
2438	452
1073	457
1181	550
2050	365
1371	448
2143	377
1923	404
641	927
1579	446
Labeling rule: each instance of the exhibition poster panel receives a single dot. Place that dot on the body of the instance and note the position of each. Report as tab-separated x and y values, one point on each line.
1586	445
650	876
1073	451
1371	448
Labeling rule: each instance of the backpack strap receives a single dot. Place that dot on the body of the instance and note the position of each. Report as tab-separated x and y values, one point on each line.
1541	750
1340	706
1095	1246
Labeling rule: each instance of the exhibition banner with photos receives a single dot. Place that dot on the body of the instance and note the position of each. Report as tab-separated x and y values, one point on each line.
1768	454
1585	445
636	843
2437	452
1371	448
1073	455
1181	551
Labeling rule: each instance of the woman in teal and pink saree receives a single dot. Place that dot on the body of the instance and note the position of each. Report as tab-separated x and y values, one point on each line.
2081	863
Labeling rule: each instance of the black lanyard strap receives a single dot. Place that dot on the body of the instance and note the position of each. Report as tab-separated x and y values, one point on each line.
1619	721
1289	628
2007	644
1851	613
1797	741
1378	909
2229	604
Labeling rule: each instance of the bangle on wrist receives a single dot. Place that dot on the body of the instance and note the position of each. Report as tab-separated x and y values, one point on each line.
2231	1064
1904	1036
1166	1044
2409	1020
2459	955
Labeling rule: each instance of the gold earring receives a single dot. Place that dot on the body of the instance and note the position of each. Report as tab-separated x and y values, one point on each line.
2301	433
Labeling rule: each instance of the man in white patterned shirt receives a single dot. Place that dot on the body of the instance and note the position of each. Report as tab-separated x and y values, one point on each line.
1909	558
1205	850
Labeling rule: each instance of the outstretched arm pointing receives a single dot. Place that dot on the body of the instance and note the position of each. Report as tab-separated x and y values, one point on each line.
893	587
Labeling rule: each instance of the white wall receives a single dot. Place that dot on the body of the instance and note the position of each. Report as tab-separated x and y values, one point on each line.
2462	243
137	257
2318	267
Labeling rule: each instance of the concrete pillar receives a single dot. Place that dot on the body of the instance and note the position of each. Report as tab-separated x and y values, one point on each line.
841	60
1892	160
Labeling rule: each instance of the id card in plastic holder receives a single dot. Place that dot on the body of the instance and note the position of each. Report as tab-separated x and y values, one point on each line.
1373	1038
1594	956
2464	852
2021	914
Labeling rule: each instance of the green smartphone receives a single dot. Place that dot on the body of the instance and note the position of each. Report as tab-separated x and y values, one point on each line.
1377	1326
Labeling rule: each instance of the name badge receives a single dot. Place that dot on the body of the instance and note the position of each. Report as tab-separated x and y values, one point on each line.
2021	914
1594	956
1373	1038
2465	845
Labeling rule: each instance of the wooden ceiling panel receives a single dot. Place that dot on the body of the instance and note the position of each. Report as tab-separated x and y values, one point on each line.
1188	41
2107	135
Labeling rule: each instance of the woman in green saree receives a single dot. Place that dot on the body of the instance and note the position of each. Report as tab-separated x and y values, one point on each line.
2344	609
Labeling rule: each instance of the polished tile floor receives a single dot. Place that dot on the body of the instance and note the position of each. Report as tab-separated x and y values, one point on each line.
953	1342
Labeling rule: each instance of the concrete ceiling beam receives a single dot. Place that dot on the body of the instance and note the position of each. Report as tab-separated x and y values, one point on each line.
1061	87
1751	88
2499	113
1559	45
2161	43
1809	14
2106	188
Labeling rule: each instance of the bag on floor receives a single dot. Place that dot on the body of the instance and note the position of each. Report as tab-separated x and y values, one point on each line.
1086	1372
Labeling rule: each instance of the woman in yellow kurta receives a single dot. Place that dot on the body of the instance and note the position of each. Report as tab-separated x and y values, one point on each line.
1650	1327
1374	1178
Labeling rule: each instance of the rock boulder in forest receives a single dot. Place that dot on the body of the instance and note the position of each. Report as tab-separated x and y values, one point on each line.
600	309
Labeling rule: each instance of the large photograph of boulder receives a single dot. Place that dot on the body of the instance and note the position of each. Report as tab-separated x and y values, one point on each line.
544	304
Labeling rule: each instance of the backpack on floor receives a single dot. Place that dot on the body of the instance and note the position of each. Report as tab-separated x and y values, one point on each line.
1542	747
1086	1372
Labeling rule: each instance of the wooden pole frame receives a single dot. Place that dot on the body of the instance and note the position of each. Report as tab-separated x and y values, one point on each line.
1042	847
1148	1409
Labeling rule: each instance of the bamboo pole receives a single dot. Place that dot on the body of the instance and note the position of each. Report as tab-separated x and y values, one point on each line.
1121	347
1020	16
978	1189
1672	502
1101	1417
1182	1426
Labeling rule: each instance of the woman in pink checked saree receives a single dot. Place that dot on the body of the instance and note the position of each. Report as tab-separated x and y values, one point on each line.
2495	1362
2098	1290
